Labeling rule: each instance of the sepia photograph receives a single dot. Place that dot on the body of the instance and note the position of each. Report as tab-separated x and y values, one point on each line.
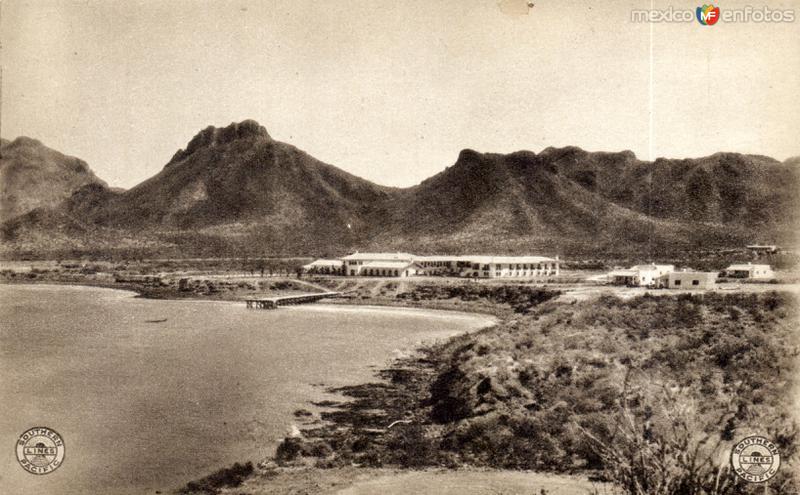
423	247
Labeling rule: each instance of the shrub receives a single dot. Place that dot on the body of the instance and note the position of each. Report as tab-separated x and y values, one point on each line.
665	443
288	450
569	365
410	446
520	297
224	478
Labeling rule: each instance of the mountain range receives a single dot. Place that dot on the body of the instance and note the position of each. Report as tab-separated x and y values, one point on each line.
236	191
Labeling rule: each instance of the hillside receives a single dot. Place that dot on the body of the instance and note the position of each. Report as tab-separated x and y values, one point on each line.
232	190
569	200
235	191
240	174
651	391
33	175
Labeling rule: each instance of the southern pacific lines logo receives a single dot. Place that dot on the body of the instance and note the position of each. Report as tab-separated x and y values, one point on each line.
707	15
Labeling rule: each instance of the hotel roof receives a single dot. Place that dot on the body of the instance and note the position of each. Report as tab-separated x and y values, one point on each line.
468	258
690	272
652	266
439	258
506	259
380	256
324	262
387	264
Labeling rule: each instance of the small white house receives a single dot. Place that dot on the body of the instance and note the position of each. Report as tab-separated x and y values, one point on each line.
763	248
640	275
750	271
624	277
690	280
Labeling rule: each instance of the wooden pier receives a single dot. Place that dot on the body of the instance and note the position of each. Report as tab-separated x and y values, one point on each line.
274	302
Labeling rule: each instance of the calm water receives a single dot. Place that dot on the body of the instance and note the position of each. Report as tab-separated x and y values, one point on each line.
147	406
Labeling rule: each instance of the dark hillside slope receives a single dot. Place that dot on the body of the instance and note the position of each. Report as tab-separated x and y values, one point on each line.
236	186
239	174
721	188
33	176
571	200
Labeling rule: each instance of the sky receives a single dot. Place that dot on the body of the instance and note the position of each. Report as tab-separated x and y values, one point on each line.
392	90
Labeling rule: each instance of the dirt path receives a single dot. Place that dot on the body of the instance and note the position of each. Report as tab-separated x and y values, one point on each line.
585	292
472	483
371	481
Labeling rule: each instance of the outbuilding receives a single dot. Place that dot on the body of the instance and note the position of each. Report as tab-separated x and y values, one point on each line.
640	275
750	271
690	280
763	248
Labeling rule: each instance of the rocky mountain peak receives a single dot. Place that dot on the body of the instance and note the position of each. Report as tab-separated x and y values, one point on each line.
210	136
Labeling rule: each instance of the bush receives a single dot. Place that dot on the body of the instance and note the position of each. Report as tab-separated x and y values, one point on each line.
651	391
555	379
662	441
520	297
288	450
224	478
409	446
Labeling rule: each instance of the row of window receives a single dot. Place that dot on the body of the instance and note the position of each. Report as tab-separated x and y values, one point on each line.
477	266
377	273
521	266
381	273
499	273
324	269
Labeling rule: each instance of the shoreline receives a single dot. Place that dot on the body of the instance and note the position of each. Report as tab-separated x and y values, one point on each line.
323	408
310	459
489	319
350	441
168	294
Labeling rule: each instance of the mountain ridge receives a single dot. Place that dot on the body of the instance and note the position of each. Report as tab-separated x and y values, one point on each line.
236	189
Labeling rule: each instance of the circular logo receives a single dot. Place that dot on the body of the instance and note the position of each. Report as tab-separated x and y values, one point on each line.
755	459
40	450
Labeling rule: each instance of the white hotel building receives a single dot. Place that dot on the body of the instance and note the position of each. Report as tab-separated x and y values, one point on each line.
407	264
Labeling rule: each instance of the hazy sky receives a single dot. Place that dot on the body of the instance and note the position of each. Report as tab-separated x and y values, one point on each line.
393	90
